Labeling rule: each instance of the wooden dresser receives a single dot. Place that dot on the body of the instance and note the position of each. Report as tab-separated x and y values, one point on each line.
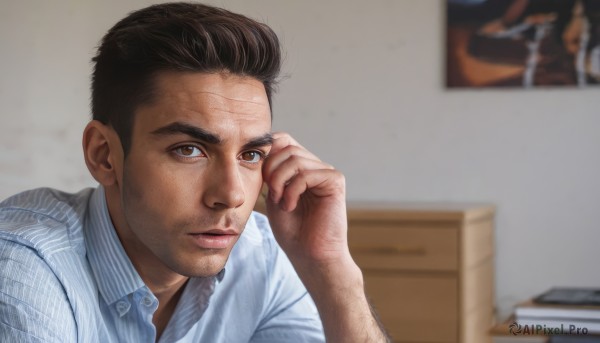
428	268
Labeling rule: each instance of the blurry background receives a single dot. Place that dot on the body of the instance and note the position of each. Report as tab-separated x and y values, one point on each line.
364	91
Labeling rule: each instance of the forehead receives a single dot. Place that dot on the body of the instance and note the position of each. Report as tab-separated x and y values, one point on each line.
206	100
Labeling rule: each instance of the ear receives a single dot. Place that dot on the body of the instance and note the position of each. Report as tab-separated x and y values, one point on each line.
103	153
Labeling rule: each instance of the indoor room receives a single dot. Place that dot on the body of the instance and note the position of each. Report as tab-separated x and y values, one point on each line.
470	164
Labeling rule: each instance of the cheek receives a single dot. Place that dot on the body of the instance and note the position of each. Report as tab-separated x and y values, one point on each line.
150	195
253	184
134	197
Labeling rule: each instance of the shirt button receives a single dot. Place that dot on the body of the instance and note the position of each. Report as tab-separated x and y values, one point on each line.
123	307
147	301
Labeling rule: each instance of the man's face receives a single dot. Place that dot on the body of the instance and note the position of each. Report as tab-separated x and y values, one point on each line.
193	173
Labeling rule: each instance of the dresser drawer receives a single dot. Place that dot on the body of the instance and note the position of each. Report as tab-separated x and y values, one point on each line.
381	246
416	308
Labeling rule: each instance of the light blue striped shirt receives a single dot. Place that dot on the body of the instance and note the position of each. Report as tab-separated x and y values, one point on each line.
65	277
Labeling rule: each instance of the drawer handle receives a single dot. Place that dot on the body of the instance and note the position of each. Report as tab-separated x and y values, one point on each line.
388	250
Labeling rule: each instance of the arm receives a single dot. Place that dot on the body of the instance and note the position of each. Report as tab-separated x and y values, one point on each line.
307	210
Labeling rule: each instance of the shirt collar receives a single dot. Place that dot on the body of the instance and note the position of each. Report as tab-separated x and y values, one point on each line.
115	274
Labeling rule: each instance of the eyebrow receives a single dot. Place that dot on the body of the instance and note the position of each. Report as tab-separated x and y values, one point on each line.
264	140
201	134
177	128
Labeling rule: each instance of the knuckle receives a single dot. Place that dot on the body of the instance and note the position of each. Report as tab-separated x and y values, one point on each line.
291	150
301	174
295	159
339	178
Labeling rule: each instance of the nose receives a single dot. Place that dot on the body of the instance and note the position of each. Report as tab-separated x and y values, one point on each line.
224	186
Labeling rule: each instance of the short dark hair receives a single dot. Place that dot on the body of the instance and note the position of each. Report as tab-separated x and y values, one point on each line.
186	37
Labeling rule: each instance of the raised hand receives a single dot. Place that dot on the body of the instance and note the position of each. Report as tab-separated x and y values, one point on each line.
306	204
306	207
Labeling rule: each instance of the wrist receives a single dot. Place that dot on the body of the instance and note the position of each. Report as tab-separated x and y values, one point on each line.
333	279
338	291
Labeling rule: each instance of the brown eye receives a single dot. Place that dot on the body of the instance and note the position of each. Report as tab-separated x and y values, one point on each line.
251	156
188	151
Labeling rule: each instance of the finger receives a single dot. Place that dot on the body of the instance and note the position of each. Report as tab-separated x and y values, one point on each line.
320	183
282	140
285	138
278	178
274	160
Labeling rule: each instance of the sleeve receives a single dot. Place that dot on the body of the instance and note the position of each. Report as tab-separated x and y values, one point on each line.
290	315
33	304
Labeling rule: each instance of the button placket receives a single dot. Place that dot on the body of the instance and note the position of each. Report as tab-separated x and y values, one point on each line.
147	301
122	307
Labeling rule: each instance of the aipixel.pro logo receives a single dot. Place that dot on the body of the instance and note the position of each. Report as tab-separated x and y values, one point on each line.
542	329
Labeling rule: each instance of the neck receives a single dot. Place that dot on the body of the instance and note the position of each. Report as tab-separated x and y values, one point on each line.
166	285
167	302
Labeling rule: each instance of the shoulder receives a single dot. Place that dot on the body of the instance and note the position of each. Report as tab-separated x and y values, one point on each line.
45	282
44	219
33	304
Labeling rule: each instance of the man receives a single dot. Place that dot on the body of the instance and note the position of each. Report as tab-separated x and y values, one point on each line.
167	248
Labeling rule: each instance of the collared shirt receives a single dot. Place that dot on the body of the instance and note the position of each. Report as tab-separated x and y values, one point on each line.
65	277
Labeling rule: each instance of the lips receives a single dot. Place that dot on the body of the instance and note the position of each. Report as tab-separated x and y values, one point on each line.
220	232
215	239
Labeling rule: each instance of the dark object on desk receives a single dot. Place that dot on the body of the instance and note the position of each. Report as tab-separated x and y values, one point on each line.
570	296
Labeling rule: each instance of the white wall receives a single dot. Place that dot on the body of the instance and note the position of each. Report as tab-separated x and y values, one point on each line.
364	92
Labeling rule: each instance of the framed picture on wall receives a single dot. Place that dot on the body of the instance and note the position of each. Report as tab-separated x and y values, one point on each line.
522	43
